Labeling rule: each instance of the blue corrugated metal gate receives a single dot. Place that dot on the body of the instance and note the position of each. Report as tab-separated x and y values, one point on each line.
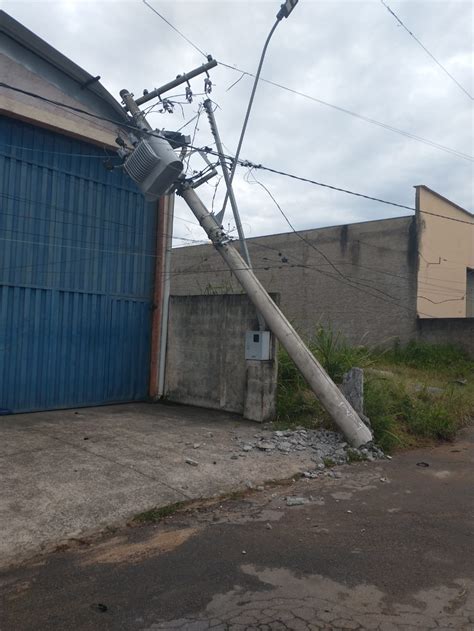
76	275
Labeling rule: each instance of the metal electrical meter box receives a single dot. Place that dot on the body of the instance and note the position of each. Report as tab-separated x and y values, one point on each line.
257	345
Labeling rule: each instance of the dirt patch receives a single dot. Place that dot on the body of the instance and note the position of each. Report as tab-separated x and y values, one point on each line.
121	550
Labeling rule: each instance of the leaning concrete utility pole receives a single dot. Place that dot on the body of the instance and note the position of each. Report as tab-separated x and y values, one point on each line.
226	175
230	192
343	415
157	171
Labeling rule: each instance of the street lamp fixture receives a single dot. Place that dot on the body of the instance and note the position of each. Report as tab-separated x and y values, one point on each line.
286	8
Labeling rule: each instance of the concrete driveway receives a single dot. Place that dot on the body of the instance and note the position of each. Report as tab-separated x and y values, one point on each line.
387	546
70	473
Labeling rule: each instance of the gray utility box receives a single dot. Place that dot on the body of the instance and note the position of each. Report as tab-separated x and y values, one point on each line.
258	345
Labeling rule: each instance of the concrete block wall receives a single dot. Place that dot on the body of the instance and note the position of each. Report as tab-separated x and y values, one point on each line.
458	331
206	364
360	278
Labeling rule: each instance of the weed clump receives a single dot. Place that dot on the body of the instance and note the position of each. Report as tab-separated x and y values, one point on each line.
407	407
354	455
336	355
445	357
296	404
421	400
157	514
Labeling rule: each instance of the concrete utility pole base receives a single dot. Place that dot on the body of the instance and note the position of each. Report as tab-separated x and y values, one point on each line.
343	415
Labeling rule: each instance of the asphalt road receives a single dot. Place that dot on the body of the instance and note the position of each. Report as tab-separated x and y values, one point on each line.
387	546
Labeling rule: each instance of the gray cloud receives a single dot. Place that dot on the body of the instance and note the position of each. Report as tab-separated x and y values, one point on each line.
351	54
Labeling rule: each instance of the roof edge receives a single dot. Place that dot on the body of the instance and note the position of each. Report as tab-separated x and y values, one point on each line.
292	232
29	40
445	199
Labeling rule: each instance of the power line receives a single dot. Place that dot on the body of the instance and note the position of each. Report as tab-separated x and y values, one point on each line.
174	28
349	192
367	119
86	244
330	186
189	121
198	116
235	82
293	228
314	247
245	163
56	153
192	223
64	262
427	212
426	50
72	108
327	104
287	258
332	264
192	270
347	281
128	227
432	287
351	282
62	210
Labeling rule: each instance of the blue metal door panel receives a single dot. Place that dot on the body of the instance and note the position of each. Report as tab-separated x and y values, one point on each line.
76	275
130	323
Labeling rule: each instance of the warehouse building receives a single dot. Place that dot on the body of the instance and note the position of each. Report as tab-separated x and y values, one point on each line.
79	249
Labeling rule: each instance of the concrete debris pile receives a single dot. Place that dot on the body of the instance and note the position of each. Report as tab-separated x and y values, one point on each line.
327	448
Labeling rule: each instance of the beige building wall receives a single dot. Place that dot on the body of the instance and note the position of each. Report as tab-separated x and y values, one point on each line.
446	255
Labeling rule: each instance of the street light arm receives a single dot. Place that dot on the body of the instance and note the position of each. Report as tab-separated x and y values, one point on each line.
285	10
247	115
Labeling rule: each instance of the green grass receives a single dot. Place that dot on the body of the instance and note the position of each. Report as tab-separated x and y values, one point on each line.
296	404
355	456
385	403
157	514
403	411
444	357
336	355
400	416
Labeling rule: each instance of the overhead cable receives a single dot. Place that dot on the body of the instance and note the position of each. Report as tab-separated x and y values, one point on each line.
344	110
174	28
245	163
461	87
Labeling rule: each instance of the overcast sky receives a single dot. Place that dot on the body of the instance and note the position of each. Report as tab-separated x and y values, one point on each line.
350	54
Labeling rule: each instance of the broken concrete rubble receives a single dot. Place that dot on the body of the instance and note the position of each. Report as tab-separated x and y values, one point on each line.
266	445
327	448
296	501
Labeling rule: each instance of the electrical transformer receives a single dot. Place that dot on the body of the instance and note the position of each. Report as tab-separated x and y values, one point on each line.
154	166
